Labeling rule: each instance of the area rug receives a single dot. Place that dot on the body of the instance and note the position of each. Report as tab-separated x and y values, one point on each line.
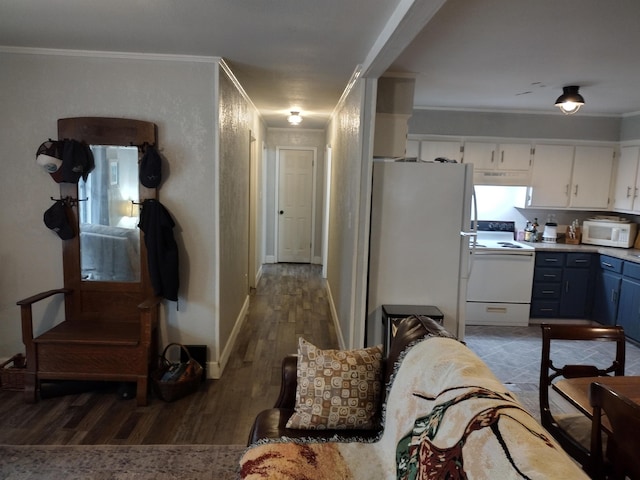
120	462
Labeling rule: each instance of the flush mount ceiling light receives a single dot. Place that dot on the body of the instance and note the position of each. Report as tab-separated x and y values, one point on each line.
570	101
294	118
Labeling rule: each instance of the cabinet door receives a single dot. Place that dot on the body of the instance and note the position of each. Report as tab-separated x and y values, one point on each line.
629	307
591	180
551	176
432	149
483	155
606	295
575	292
515	156
625	189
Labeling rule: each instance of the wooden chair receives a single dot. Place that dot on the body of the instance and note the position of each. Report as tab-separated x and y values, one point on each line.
573	431
623	442
109	331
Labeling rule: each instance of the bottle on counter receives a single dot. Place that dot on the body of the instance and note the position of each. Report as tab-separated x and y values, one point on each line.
534	233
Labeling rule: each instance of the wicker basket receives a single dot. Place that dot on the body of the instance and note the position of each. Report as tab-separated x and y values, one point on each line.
186	381
12	373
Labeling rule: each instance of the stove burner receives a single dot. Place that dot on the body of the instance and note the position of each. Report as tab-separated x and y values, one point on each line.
509	245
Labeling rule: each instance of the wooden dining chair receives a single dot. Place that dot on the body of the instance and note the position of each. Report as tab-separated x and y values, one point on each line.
620	460
573	430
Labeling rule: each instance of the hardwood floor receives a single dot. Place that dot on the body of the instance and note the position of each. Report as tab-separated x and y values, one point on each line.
289	302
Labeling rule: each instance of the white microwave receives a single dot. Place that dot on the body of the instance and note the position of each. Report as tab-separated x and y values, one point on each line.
609	233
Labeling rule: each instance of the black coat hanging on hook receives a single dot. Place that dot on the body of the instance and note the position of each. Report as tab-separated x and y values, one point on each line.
162	251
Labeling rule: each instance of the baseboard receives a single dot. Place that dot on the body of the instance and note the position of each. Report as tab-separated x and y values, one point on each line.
270	259
215	369
334	317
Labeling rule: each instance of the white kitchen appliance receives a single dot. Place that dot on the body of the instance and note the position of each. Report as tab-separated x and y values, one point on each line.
499	287
609	231
550	233
419	240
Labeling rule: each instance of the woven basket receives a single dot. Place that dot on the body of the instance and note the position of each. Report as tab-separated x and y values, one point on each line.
185	383
12	376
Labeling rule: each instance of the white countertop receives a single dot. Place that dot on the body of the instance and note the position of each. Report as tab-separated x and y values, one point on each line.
631	254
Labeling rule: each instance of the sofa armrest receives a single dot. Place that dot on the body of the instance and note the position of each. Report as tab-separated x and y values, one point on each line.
288	384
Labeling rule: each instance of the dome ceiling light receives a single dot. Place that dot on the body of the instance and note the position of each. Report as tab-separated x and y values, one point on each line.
295	118
570	101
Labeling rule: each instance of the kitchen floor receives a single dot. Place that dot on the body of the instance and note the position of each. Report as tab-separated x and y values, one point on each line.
513	354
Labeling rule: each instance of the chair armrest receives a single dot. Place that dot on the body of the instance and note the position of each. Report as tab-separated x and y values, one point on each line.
41	296
289	382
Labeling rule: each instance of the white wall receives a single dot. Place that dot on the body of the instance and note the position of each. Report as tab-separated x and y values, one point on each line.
179	95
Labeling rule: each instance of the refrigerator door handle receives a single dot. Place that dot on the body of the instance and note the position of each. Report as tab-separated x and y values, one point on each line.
473	232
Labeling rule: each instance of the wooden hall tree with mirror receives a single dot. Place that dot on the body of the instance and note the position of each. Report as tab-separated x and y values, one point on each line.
110	328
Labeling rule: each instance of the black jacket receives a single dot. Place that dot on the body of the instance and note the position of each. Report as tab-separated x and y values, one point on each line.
162	250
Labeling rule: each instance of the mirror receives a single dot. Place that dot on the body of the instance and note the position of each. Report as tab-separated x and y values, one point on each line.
108	214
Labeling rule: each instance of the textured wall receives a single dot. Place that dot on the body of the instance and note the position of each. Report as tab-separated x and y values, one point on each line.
36	90
235	123
345	138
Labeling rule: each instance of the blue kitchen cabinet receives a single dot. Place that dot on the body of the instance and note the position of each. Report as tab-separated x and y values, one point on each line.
575	299
607	290
562	285
629	304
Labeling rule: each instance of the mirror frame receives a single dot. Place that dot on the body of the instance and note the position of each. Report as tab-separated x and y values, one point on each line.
103	131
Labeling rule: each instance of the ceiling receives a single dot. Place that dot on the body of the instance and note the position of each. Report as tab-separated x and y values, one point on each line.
512	55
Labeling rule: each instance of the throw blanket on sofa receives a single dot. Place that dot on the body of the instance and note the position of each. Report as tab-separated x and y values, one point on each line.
446	416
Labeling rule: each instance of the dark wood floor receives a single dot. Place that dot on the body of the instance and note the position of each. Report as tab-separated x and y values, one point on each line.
289	302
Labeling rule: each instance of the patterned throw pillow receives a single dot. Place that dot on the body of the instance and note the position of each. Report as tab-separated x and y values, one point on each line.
337	389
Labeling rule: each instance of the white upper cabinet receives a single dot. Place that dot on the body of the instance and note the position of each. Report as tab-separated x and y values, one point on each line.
591	179
565	176
551	176
498	156
627	181
499	163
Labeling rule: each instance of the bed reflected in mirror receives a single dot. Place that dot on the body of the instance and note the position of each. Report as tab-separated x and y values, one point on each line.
109	234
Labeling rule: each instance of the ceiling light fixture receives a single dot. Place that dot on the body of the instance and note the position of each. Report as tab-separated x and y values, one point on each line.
570	101
294	118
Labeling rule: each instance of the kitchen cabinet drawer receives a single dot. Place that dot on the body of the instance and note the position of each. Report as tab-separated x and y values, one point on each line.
578	260
611	264
541	308
631	270
549	259
546	290
547	275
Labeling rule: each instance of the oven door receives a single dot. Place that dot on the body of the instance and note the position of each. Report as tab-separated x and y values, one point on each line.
501	277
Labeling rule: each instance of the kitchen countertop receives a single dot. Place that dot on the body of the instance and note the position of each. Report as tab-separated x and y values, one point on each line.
630	254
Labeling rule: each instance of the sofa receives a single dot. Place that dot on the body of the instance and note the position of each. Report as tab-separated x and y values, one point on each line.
443	414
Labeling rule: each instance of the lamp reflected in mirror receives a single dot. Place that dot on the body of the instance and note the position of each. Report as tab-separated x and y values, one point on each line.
109	234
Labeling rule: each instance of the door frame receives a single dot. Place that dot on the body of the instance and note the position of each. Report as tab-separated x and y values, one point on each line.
314	168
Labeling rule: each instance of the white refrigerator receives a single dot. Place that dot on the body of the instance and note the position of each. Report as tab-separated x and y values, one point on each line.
421	240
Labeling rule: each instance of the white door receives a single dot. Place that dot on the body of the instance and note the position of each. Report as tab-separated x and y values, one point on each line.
295	198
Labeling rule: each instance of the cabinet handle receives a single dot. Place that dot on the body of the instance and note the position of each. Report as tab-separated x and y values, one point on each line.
576	192
502	156
635	192
493	152
549	275
566	287
614	296
546	309
580	260
551	260
547	292
628	192
566	190
605	264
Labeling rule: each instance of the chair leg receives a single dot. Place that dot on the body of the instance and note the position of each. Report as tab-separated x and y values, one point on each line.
141	391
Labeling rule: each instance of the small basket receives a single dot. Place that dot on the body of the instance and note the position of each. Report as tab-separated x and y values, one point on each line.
12	376
172	381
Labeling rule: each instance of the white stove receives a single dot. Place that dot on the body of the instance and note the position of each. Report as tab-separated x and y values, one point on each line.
499	287
495	242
